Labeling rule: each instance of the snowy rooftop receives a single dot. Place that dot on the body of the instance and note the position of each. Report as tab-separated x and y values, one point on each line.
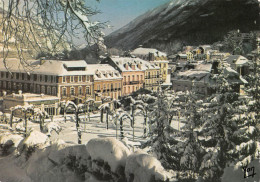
133	64
48	67
73	64
104	72
236	59
29	97
146	51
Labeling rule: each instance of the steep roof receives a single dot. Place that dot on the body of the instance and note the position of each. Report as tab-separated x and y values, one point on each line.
125	64
236	59
104	72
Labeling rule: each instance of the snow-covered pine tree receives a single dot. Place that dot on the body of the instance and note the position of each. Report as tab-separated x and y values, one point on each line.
227	137
253	89
190	149
161	138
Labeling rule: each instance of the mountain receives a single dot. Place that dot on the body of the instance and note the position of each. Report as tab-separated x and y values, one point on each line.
187	22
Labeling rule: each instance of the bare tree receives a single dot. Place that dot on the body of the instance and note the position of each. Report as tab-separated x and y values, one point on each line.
45	26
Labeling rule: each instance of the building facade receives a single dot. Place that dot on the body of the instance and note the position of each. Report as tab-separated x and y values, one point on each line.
107	82
131	71
68	80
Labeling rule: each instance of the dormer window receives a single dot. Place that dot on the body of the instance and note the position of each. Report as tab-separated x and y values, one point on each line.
126	66
133	67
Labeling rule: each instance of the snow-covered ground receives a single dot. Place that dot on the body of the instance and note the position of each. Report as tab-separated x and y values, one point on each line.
58	157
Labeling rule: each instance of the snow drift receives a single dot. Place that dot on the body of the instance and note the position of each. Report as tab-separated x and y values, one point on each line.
36	158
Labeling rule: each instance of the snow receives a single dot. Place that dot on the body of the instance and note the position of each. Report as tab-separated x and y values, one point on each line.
52	126
109	150
144	167
35	138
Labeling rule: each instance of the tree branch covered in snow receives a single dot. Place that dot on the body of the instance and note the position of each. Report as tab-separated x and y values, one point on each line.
45	26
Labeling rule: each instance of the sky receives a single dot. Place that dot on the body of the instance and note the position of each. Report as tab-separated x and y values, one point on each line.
121	12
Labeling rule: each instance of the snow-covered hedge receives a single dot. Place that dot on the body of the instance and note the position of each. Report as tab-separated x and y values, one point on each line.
102	158
109	150
9	142
141	167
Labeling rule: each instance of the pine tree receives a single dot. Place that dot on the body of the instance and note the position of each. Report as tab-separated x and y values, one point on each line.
161	138
190	147
227	137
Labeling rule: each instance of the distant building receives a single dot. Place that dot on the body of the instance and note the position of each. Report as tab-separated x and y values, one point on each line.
148	54
200	80
47	103
107	81
238	63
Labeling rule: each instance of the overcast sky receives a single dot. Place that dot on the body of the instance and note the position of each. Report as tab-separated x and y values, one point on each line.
121	12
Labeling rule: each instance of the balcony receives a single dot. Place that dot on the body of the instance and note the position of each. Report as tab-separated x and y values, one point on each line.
134	82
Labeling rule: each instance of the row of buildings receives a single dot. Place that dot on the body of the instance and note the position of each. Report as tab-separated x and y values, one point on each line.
76	80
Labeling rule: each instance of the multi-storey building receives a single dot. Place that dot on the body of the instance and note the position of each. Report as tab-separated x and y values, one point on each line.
68	80
131	71
152	77
163	64
107	81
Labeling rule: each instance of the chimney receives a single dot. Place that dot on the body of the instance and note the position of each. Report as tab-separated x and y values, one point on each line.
151	56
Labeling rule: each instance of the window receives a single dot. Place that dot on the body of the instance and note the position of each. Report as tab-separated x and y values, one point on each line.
104	87
49	90
4	84
87	90
98	87
119	85
72	91
54	91
28	77
46	78
43	89
9	85
128	89
133	88
34	77
87	78
124	78
80	78
133	77
22	76
111	86
141	77
64	79
137	77
124	90
107	86
64	91
17	76
128	78
80	90
6	74
115	85
71	78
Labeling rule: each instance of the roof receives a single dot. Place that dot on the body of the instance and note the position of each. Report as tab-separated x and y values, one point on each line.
146	51
29	97
236	59
204	67
139	64
73	64
48	67
104	72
